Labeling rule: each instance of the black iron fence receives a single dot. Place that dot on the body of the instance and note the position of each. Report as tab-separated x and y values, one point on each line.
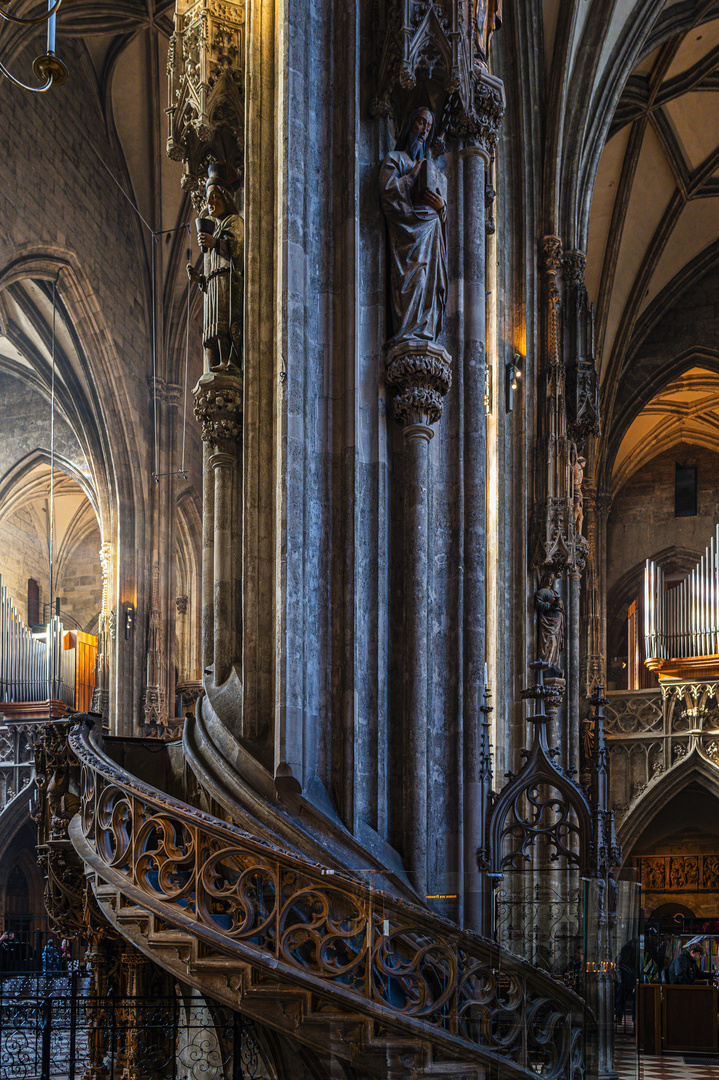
64	1033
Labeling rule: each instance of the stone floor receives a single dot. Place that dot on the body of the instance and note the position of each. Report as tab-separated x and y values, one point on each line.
631	1066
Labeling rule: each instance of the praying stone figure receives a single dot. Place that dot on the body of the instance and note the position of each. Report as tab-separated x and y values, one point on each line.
487	19
550	631
414	207
222	280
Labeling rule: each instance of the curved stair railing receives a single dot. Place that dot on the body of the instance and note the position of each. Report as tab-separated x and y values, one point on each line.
364	951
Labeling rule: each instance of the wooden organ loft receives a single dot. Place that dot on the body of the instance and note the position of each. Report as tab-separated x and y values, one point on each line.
45	674
681	622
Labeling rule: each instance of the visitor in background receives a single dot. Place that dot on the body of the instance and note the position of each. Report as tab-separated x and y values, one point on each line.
684	968
627	969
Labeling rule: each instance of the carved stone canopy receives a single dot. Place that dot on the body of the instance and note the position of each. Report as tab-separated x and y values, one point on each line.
441	47
206	75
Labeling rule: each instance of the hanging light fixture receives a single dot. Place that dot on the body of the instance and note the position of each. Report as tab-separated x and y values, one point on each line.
48	67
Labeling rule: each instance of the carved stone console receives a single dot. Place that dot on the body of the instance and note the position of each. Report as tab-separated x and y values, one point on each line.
419	373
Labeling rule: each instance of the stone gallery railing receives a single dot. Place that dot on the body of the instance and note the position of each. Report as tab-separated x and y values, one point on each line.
324	930
650	731
17	758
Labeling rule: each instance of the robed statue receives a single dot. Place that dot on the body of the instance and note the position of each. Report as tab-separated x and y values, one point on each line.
414	207
550	629
222	278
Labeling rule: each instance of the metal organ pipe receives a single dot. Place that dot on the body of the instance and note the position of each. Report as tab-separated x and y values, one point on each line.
683	621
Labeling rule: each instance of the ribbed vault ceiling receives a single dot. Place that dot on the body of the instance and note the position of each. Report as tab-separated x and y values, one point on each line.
654	223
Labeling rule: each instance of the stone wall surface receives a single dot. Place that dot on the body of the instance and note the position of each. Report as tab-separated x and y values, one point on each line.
79	587
23	555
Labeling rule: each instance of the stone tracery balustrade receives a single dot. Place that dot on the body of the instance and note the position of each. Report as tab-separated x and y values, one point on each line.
322	929
650	731
17	759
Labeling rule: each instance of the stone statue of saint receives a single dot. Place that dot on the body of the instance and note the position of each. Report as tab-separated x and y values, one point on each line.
417	228
487	19
550	631
222	279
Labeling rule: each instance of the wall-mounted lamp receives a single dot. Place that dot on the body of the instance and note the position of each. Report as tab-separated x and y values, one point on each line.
129	620
513	375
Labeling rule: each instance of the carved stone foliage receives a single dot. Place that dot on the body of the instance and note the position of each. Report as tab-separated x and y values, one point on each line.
206	91
218	408
360	950
419	373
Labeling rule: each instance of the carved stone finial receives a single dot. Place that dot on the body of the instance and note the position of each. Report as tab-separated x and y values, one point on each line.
420	373
218	407
550	251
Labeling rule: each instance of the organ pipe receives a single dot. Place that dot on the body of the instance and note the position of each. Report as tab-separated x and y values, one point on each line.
33	667
683	621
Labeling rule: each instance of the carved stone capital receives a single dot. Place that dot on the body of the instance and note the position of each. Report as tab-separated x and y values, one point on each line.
190	691
218	407
181	605
478	126
574	264
173	395
420	374
157	388
550	254
604	503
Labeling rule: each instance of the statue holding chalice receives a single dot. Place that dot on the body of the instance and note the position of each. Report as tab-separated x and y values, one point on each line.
222	239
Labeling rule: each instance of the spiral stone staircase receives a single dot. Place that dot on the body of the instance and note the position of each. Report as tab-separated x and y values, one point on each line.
280	931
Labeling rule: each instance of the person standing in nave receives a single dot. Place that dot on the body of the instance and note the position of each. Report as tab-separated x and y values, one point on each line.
417	227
